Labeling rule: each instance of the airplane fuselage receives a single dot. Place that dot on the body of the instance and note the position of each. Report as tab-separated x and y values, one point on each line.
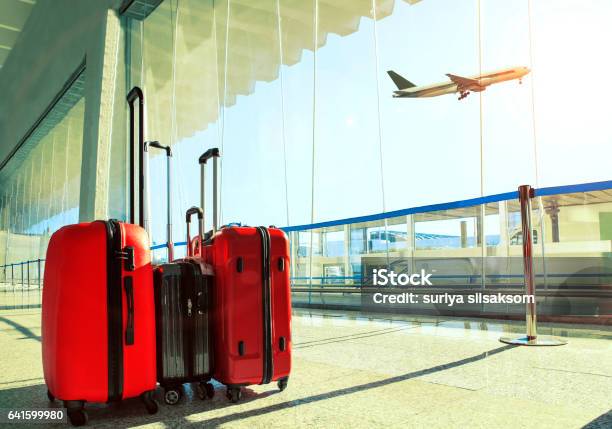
476	83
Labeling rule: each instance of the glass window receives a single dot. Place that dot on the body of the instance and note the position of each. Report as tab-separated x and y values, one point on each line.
431	145
40	185
574	136
347	169
507	118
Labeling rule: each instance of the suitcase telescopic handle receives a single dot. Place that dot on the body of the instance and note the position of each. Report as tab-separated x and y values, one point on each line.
190	212
136	94
215	154
168	150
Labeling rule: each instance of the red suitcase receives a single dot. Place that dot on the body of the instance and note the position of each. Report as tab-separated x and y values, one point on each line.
251	302
98	316
98	309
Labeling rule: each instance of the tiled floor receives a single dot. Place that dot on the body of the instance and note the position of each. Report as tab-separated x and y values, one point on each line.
354	371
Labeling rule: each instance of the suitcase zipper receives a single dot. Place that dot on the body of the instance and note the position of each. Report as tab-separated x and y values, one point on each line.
115	311
188	286
266	302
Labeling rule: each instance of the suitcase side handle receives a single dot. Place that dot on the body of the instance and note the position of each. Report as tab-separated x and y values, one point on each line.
168	150
215	154
129	295
190	212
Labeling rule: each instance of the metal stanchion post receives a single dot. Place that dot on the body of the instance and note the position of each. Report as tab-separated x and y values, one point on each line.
531	339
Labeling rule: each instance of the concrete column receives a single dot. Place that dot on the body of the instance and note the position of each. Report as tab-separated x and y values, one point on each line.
503	249
410	241
294	241
463	233
483	245
347	249
553	211
410	235
101	72
4	230
479	227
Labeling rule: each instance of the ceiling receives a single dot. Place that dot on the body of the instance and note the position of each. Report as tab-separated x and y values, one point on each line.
13	16
195	32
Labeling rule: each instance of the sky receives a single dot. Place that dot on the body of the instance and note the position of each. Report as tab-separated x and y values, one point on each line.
374	153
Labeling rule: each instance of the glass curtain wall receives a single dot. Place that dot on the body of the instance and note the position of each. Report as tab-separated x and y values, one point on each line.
40	185
572	249
175	58
296	94
573	128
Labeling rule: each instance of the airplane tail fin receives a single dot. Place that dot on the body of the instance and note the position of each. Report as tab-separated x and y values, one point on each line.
400	81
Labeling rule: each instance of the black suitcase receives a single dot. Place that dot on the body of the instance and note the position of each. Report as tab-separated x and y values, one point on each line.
182	306
182	296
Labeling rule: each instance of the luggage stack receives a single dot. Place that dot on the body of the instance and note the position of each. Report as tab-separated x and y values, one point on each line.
114	326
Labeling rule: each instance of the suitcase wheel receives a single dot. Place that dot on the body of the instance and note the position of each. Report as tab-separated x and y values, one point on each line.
77	417
149	402
173	395
205	390
76	414
50	396
282	383
233	393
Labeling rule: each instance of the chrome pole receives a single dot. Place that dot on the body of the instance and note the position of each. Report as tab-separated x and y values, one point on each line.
531	338
530	311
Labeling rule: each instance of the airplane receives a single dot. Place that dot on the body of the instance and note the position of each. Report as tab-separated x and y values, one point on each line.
462	85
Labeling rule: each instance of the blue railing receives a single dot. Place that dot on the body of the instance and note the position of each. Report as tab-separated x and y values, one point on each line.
539	192
164	245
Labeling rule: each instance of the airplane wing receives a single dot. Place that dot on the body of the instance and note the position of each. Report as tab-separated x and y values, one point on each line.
463	81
